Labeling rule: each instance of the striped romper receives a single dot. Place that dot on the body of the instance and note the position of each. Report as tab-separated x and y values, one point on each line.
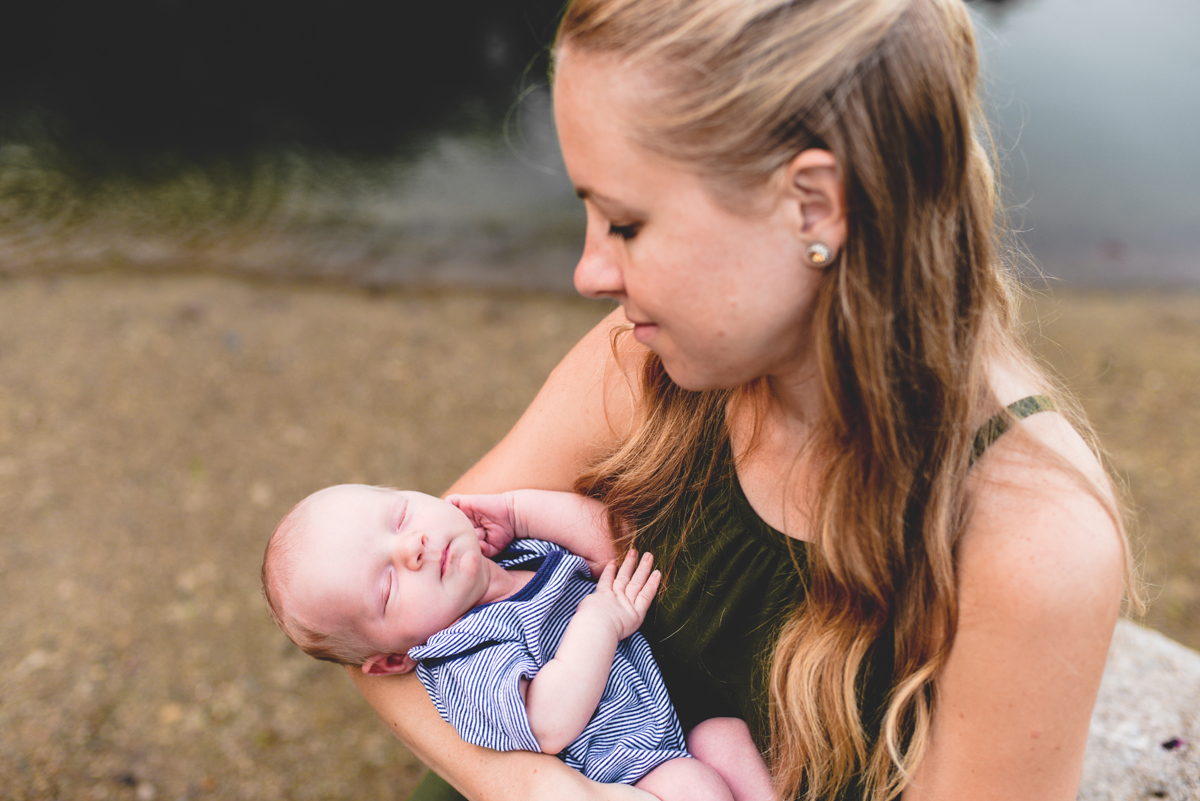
472	671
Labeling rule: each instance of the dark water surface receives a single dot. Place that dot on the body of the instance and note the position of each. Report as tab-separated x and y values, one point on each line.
1096	102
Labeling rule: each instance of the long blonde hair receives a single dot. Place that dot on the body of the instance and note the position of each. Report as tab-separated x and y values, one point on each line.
907	318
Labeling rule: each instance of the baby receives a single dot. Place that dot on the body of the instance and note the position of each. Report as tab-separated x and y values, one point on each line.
516	646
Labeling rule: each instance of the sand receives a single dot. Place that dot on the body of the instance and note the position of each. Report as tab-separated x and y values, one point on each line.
153	430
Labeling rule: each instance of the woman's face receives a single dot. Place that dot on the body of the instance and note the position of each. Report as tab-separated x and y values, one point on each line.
723	297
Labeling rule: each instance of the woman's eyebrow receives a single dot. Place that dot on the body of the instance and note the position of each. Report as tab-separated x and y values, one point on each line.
609	204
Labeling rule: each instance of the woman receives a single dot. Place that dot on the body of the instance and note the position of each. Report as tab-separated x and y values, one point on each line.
791	204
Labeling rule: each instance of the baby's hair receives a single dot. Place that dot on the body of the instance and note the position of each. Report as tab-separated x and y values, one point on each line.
278	569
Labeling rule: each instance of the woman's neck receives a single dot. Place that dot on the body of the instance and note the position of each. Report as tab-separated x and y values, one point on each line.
772	436
795	397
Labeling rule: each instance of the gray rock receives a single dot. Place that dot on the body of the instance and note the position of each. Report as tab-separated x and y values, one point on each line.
1144	741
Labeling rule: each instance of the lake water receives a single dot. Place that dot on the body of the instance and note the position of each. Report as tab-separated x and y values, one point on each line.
1096	103
1099	106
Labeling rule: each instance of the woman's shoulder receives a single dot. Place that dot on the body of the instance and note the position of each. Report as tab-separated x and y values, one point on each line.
1041	568
1044	532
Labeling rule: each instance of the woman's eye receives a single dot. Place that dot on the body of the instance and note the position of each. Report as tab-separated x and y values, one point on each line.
624	231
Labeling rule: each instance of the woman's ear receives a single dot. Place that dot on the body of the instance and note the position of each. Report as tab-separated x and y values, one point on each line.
388	664
815	185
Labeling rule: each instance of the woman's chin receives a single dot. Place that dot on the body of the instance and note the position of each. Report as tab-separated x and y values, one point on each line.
688	377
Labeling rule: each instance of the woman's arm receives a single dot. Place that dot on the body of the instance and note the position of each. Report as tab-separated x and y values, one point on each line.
478	773
582	411
1041	573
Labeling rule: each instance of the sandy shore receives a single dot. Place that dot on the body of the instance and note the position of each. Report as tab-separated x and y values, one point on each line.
152	430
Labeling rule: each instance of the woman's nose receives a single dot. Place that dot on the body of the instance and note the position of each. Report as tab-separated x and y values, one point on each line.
598	273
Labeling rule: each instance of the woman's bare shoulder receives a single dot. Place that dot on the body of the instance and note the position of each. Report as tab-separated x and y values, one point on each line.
1043	519
1043	512
1041	568
586	406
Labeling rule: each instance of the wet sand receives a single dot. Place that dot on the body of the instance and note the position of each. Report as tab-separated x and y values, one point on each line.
153	430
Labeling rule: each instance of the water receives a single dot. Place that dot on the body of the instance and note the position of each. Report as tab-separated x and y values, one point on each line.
1098	103
1095	103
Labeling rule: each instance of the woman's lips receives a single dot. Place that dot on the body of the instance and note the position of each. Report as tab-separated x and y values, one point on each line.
643	332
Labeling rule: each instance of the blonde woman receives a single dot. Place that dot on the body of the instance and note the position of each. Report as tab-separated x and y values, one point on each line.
887	544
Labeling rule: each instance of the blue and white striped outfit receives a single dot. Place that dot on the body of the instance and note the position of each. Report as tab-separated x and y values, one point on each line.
472	671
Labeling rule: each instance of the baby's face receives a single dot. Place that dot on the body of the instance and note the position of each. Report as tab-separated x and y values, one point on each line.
394	567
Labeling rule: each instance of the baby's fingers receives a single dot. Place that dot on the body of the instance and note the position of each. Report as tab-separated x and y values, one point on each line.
625	573
605	582
638	579
642	602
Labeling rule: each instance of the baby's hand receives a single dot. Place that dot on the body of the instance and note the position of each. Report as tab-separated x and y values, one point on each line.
493	518
622	597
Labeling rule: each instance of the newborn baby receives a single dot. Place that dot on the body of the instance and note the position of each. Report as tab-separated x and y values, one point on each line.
518	648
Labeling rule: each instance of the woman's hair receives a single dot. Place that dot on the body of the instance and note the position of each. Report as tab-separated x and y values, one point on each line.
908	318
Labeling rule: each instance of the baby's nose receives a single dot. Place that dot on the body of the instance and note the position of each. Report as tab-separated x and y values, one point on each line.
416	551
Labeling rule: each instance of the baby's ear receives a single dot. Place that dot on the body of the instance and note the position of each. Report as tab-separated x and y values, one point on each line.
388	664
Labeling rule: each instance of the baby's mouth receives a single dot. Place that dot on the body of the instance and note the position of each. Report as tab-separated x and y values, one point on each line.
445	559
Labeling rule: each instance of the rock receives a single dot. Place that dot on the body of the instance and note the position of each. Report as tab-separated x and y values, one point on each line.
1144	740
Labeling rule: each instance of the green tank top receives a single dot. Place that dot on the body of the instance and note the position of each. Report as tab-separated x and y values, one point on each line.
732	585
728	590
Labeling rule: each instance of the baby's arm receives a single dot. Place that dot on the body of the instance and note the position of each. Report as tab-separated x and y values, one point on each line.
576	522
563	696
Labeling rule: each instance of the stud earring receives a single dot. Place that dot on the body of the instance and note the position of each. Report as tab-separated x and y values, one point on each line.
819	254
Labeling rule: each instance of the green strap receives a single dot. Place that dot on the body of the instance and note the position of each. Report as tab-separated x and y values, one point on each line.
994	429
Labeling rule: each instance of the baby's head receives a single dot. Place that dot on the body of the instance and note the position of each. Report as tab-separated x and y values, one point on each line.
358	575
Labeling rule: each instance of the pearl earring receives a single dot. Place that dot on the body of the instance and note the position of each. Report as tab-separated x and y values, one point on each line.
819	254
